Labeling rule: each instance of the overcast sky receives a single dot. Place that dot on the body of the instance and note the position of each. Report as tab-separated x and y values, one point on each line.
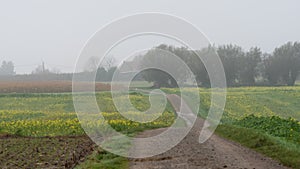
55	30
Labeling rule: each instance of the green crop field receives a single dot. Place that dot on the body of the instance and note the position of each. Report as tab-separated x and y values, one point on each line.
263	118
35	117
259	101
54	115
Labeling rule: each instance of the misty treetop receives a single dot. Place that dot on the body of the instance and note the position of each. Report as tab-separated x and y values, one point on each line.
242	68
283	66
7	68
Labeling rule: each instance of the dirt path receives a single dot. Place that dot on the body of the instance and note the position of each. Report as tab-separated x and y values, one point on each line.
190	154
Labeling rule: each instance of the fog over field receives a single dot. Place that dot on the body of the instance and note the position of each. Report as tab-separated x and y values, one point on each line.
149	84
55	31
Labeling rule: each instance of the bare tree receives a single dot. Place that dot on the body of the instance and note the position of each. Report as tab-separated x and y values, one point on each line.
92	64
109	62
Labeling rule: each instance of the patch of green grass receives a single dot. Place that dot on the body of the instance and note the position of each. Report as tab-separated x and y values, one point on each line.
287	153
103	160
285	129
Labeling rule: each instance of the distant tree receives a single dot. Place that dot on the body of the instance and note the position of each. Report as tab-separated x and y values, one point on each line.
272	70
192	60
293	64
159	78
261	77
110	73
248	66
230	56
163	57
7	68
284	65
101	74
104	75
109	62
197	66
92	64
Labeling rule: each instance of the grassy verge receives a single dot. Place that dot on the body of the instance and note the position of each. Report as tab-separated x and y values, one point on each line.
101	159
285	152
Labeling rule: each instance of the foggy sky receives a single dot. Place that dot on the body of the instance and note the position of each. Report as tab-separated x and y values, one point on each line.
55	31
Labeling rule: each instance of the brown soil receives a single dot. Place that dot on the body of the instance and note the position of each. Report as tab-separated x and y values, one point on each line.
44	152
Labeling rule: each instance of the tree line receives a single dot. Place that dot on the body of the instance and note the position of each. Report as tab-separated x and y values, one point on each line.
242	68
42	73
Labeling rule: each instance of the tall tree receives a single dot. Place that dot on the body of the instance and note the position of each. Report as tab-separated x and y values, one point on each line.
284	65
248	70
163	57
229	55
198	66
92	64
7	68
